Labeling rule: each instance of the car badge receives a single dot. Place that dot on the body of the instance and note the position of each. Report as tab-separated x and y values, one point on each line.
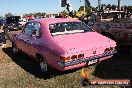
94	52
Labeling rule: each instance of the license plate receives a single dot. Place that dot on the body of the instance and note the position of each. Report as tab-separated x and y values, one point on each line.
92	61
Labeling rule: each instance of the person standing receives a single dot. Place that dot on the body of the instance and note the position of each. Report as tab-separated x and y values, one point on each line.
2	35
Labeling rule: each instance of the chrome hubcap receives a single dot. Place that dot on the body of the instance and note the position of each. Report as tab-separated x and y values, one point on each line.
15	50
43	66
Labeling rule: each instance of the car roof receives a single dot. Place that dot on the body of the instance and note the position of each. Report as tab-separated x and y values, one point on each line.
55	20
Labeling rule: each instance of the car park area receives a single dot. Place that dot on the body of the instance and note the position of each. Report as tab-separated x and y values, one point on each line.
66	44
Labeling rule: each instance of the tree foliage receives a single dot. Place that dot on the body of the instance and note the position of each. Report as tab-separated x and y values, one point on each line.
64	12
130	9
8	14
37	14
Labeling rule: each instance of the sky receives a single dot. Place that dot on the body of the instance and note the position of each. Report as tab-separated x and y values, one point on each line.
19	7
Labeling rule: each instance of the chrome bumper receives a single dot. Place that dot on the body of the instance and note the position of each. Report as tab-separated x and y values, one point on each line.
79	61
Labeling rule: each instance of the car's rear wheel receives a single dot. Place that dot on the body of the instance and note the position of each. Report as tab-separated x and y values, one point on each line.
43	65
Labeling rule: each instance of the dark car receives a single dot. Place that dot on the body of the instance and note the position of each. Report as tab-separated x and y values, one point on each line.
12	23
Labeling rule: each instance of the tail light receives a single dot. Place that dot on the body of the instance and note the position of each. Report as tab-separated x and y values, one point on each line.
74	57
64	58
107	50
80	56
112	48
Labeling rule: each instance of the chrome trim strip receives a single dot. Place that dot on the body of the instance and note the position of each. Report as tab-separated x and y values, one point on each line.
78	61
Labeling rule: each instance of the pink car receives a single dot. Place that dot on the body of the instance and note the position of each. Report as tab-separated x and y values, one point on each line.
62	43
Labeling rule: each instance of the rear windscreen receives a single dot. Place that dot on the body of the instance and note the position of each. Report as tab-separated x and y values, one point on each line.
68	28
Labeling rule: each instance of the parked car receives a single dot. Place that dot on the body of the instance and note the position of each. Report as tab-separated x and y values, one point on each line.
62	43
22	22
12	23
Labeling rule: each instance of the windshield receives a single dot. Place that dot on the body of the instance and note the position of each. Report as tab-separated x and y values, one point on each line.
68	28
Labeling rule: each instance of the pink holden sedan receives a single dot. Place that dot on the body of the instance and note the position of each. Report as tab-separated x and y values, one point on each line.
62	43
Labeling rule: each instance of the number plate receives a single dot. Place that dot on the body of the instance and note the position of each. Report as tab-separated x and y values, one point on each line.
92	61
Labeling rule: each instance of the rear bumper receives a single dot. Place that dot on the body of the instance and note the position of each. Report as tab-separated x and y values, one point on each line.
79	61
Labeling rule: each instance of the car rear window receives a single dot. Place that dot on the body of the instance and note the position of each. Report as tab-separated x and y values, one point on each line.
68	28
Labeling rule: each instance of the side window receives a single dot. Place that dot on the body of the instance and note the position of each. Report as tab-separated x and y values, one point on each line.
36	30
28	29
32	29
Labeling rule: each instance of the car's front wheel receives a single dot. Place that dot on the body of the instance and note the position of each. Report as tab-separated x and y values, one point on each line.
14	48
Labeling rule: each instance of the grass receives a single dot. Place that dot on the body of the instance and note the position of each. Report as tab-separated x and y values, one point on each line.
22	72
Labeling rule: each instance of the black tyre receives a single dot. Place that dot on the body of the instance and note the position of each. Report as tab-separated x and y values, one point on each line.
43	65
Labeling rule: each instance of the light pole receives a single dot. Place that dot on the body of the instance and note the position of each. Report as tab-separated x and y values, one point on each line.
119	7
99	5
84	6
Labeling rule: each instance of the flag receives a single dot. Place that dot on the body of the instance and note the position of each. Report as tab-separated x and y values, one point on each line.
87	3
63	3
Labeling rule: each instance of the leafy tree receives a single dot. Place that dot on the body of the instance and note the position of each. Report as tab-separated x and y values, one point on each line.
114	7
8	14
108	6
94	9
87	9
103	7
130	9
87	3
125	7
64	12
81	8
38	14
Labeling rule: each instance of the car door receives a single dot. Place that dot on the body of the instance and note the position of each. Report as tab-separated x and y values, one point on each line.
34	40
23	38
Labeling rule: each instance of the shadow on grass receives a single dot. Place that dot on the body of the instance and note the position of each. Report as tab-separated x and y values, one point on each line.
32	66
117	67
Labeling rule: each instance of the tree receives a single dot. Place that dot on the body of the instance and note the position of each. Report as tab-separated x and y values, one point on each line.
94	9
108	6
130	9
125	7
64	12
81	8
87	9
8	14
113	7
103	7
87	3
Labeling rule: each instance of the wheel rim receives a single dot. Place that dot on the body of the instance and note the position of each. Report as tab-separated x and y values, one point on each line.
43	66
15	50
